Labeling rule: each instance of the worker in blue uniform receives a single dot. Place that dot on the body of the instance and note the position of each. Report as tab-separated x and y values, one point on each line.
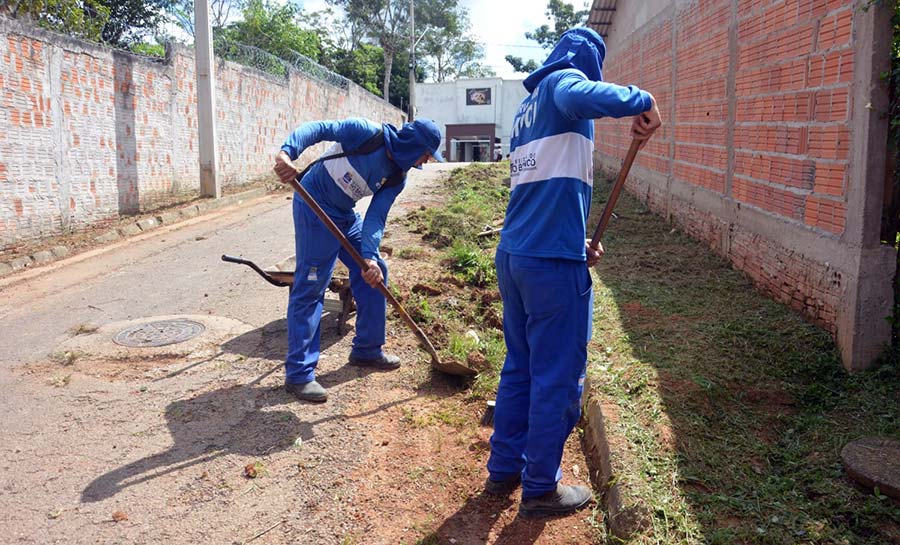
375	161
543	265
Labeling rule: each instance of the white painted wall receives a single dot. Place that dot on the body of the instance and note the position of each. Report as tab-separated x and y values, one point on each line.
445	103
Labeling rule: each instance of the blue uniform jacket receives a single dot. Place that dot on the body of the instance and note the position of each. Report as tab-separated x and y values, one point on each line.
337	184
551	152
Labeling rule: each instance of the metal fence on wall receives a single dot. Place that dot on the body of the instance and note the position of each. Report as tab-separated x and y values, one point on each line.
267	62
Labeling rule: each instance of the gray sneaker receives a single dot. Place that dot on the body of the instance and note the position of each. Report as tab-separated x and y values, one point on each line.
565	500
502	488
385	362
308	391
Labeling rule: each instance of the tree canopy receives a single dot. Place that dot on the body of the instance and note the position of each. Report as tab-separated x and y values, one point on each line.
561	16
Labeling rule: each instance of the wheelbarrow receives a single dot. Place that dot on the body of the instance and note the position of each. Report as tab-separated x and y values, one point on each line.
282	279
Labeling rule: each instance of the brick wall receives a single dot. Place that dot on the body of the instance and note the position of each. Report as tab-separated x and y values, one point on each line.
756	157
89	133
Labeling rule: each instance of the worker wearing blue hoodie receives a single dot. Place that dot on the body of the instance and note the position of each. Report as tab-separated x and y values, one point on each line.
380	156
544	280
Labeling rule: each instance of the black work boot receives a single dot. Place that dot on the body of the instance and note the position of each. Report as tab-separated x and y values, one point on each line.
502	488
308	391
565	500
385	362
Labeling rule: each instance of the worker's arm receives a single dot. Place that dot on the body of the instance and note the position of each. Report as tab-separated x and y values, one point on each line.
350	133
579	98
373	230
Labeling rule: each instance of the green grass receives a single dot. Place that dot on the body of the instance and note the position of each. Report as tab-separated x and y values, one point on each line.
477	200
731	408
473	265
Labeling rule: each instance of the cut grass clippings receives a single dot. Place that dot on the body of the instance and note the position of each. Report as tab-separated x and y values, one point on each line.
731	410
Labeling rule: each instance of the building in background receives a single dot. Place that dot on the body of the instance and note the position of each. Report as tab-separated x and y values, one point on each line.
474	115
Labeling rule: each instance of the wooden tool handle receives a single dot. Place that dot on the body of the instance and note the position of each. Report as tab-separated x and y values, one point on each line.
311	202
614	194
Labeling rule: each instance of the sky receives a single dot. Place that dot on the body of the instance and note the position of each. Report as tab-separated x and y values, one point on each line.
501	26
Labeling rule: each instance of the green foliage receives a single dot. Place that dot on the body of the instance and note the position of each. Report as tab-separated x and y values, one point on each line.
476	268
273	28
730	410
363	65
562	16
131	20
386	23
519	65
83	19
478	200
151	50
450	52
182	11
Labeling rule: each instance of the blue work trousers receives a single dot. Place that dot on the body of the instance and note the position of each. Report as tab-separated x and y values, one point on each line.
547	312
317	252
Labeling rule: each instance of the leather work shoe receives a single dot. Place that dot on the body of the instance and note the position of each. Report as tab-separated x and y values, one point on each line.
308	391
565	500
386	362
502	488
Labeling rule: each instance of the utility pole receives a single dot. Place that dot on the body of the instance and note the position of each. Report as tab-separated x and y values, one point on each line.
206	101
412	60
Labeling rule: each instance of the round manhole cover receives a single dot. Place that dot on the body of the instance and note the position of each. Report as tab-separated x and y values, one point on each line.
159	333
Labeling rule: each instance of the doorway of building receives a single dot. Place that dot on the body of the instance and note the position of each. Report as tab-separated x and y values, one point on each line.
468	150
470	143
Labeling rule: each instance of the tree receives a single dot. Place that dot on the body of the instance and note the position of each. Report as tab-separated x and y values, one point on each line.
450	52
386	22
130	20
273	28
562	16
519	65
466	54
363	65
80	18
182	11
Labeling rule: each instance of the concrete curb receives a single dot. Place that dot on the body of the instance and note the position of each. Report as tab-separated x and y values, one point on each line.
625	517
136	227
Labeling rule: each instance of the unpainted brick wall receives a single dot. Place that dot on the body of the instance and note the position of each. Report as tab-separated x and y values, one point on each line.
755	96
89	133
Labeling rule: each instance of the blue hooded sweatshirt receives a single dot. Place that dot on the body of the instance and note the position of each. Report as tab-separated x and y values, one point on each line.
337	184
552	145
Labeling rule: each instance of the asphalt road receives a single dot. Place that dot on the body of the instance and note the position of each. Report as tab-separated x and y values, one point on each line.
167	448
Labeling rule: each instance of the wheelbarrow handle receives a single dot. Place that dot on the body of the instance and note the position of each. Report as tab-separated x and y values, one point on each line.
266	276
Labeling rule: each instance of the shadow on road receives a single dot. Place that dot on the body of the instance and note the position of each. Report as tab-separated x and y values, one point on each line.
236	419
231	420
472	524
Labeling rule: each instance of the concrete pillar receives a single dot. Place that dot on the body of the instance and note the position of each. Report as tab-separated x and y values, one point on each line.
862	329
206	101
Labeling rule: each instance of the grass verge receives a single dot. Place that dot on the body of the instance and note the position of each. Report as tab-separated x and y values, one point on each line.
464	320
729	409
